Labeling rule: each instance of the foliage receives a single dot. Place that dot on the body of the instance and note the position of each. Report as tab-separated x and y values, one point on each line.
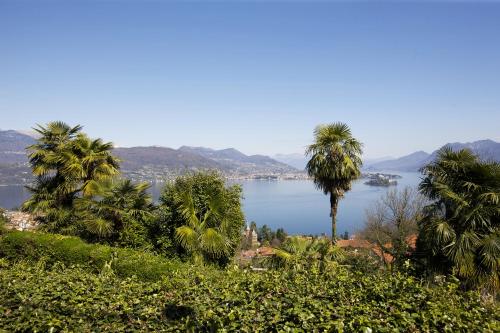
461	230
58	298
392	222
362	260
335	162
24	245
3	220
298	253
267	236
67	165
201	216
120	216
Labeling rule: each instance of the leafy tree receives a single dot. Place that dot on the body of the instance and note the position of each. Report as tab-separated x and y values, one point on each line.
392	222
119	216
253	226
335	162
200	216
67	165
281	234
265	234
460	232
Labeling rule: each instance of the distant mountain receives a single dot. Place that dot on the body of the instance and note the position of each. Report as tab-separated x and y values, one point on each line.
369	161
488	150
138	157
485	149
13	147
234	160
410	162
298	161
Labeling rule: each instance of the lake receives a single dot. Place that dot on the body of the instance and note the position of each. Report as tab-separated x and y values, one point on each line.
295	205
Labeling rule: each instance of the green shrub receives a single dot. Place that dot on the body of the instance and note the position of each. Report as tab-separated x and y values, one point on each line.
3	220
22	245
33	298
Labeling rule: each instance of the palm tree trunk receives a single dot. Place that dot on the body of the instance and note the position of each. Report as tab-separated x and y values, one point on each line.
334	202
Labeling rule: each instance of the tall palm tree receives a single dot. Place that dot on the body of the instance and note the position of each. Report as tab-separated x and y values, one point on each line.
335	162
206	234
67	164
461	229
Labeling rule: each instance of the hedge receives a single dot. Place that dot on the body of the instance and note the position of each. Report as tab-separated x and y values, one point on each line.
24	245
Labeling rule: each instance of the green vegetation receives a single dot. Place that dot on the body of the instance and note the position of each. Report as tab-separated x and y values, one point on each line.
3	220
139	278
298	253
269	237
201	217
38	298
67	165
460	233
121	215
52	249
334	164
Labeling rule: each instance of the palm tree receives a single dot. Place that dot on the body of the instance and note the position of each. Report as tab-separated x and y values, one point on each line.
335	162
300	253
121	207
206	234
461	228
67	164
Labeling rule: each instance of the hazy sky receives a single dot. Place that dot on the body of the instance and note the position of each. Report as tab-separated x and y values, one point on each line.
256	76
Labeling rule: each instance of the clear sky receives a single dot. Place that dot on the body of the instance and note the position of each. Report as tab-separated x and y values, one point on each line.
257	76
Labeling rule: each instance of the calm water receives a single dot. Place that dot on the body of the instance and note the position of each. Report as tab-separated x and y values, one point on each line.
294	205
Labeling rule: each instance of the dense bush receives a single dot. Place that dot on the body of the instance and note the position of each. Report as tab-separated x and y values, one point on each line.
20	245
33	298
200	216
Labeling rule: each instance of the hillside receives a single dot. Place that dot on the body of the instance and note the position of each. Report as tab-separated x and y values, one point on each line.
485	149
146	163
298	161
234	160
13	147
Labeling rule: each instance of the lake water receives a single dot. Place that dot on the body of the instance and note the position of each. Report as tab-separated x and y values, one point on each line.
295	205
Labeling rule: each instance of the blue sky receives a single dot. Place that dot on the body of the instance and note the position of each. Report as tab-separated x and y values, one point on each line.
257	76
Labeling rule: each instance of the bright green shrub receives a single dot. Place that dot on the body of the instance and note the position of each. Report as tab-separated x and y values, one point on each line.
17	245
199	299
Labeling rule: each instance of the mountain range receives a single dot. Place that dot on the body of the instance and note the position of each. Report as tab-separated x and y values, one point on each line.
153	162
149	163
486	149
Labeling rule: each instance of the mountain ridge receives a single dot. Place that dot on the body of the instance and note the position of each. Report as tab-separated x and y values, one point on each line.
486	149
149	162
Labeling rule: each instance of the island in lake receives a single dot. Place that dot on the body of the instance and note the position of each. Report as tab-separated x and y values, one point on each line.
380	179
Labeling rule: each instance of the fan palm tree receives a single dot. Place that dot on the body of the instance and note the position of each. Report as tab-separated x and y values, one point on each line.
67	164
120	207
335	162
300	253
461	228
206	234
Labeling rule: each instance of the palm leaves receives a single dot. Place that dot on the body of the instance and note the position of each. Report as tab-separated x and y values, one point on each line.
121	206
335	163
67	165
462	225
300	253
206	231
